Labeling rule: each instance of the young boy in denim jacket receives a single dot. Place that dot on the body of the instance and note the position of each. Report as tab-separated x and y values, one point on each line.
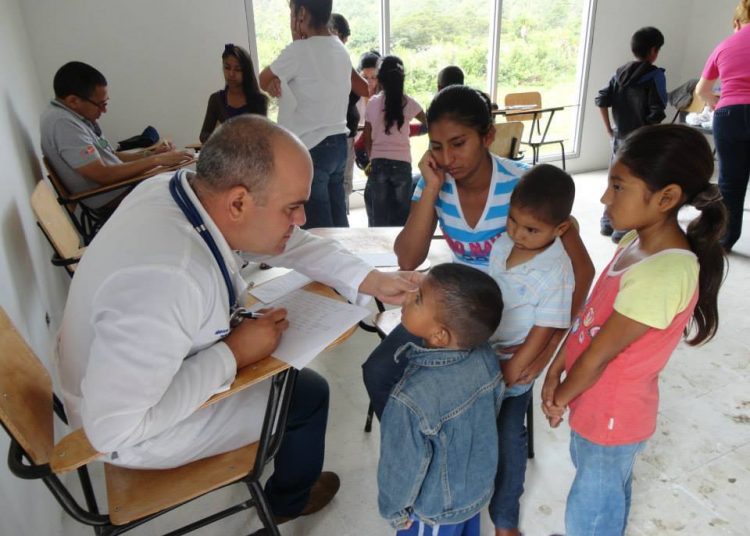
438	432
535	276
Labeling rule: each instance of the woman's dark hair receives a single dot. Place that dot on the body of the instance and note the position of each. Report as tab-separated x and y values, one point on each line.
319	10
340	25
464	105
257	101
369	60
77	78
471	302
661	155
391	79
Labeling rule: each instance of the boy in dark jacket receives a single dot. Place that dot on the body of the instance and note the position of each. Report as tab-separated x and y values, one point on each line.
637	94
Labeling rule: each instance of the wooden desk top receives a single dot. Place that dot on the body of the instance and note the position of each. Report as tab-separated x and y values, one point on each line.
131	181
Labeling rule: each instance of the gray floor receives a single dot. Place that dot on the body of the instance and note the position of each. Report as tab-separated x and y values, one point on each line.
693	477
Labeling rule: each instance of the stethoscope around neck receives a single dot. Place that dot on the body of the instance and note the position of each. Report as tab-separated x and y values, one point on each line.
193	216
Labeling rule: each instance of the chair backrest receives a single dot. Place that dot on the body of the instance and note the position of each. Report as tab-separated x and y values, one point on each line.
55	223
25	394
57	184
507	139
527	98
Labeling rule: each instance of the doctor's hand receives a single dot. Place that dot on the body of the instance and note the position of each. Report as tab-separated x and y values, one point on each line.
274	87
256	338
390	287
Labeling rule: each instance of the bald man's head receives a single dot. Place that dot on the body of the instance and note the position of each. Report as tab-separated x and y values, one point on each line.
241	152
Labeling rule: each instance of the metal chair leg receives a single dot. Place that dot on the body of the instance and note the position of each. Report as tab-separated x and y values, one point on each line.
368	422
263	508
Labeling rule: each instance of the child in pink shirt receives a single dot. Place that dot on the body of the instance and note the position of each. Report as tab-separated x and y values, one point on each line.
659	280
386	135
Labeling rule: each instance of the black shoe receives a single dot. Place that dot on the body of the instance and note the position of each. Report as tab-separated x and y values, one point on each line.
322	492
606	229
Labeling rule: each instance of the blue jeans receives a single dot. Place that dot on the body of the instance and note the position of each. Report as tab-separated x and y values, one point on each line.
388	193
469	527
299	461
511	469
599	499
381	372
327	204
732	139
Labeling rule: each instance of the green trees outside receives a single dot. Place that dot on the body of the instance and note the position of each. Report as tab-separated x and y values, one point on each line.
540	43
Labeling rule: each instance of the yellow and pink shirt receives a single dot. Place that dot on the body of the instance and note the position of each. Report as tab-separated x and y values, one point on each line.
661	292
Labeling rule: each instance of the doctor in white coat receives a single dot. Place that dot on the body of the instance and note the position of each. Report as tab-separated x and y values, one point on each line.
145	337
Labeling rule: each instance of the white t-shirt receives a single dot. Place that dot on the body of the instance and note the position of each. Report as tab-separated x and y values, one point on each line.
316	81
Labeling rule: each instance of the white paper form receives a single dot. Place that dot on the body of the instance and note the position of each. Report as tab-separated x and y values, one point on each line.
314	322
280	286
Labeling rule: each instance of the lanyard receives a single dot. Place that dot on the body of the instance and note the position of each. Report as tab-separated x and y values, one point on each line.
193	216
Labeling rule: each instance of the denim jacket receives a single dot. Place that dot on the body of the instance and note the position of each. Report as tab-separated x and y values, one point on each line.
438	436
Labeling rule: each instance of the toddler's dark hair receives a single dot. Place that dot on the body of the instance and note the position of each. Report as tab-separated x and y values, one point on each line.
644	40
450	76
369	60
340	25
547	191
470	302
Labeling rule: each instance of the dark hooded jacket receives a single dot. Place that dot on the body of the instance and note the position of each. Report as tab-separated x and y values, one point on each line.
637	94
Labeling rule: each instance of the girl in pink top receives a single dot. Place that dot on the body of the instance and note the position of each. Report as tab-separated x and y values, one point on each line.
386	135
660	281
731	125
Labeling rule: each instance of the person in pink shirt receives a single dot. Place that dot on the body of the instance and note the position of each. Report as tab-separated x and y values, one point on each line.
386	135
731	125
660	281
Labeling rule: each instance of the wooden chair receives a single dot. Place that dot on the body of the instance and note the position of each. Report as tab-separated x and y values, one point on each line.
57	227
508	138
134	496
85	220
539	139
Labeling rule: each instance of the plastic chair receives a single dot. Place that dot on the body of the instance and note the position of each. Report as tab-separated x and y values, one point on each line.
57	227
134	496
539	139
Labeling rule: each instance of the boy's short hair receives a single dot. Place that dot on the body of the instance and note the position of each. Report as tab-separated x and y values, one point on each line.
470	302
547	191
644	40
449	76
77	78
340	25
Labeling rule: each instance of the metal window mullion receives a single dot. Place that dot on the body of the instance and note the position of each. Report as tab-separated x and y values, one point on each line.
493	58
385	27
252	34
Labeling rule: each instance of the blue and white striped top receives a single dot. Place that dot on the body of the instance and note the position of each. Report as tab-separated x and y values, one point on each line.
472	246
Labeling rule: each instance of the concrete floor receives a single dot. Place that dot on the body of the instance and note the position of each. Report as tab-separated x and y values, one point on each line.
693	478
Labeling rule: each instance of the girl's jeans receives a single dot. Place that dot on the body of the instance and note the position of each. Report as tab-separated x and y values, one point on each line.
599	499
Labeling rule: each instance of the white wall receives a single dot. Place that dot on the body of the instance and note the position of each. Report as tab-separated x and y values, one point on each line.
691	30
161	59
31	286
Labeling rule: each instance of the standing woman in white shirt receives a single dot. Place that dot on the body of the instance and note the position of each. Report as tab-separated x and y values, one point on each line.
312	77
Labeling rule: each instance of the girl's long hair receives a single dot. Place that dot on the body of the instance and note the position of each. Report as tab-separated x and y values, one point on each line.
257	101
675	154
391	79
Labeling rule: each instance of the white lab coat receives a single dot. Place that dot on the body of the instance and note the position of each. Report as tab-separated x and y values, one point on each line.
140	348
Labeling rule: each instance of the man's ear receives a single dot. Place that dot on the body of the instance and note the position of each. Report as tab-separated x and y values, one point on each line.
239	203
670	197
563	227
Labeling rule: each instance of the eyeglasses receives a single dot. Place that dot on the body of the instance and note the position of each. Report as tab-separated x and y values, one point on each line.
101	105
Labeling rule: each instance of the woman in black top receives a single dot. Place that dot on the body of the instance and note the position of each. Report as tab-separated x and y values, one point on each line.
241	95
